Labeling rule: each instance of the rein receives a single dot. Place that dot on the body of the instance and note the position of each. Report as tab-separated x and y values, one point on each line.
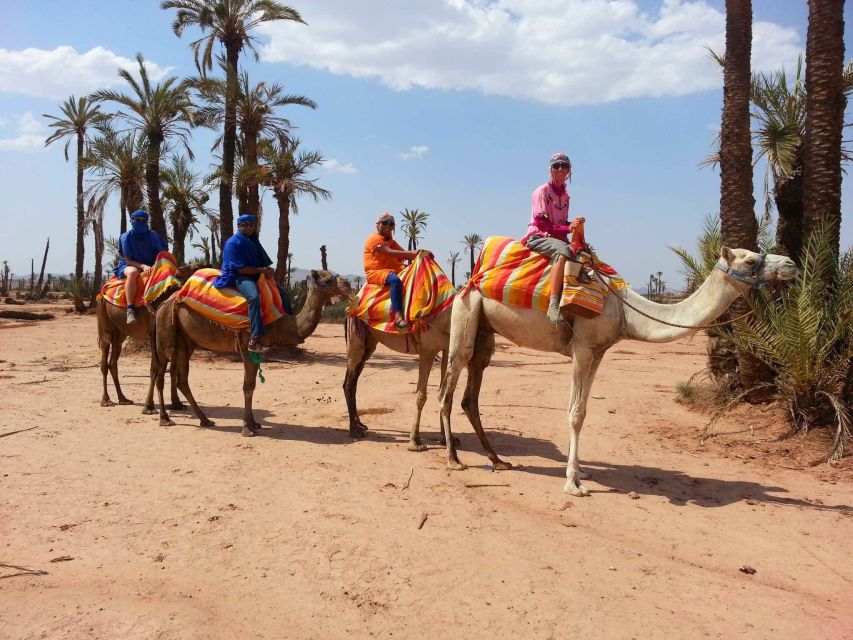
740	276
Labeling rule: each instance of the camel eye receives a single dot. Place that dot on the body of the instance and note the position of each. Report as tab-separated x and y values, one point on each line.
750	261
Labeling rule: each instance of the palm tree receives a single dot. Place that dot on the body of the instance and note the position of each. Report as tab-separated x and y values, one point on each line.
78	116
230	22
825	104
95	217
118	162
285	170
255	112
472	242
186	197
203	245
454	260
415	223
160	113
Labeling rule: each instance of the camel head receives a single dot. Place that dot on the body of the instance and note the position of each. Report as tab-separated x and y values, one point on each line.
749	269
329	284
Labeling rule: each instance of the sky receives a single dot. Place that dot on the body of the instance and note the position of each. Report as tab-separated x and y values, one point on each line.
452	107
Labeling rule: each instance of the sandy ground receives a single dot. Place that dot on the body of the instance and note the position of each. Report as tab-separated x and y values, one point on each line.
114	527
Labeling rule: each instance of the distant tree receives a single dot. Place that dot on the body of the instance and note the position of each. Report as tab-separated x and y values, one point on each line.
472	241
454	260
229	22
186	199
414	224
79	117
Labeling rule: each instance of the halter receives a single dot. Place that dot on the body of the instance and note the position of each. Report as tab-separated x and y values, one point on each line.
749	277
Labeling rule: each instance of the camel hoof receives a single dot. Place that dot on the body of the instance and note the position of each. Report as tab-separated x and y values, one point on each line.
416	446
149	411
107	403
256	427
247	432
584	475
125	401
456	466
166	422
577	490
502	465
356	433
207	422
362	426
177	406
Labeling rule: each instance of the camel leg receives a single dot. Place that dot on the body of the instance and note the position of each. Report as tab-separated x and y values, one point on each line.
483	348
250	374
463	335
425	361
359	351
176	404
117	341
148	408
585	365
158	372
104	344
181	368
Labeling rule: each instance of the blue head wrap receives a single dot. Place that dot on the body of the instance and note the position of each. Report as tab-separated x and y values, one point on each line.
139	213
247	217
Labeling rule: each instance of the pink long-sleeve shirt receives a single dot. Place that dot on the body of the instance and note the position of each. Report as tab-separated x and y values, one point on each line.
549	214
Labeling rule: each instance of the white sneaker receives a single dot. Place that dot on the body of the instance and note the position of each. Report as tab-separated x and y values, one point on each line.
554	314
131	315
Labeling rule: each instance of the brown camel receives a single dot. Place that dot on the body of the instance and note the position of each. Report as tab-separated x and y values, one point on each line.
179	330
112	332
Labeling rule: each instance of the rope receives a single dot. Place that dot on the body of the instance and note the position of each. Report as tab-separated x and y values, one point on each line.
712	325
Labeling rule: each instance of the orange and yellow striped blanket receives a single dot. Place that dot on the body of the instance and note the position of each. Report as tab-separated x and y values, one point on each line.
226	306
426	293
159	280
513	274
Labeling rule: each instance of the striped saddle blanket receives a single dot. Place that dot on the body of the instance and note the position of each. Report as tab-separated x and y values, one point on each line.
160	279
513	274
227	306
426	293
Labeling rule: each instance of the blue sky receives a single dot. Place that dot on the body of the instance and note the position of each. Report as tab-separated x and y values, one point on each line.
448	106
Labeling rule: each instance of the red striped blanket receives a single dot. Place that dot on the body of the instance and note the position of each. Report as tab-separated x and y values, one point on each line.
227	306
426	293
151	285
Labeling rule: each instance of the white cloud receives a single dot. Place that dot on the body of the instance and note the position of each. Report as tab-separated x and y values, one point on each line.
63	71
415	152
333	166
565	52
30	138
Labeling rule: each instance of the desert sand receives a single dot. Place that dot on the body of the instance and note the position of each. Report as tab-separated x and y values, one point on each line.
112	526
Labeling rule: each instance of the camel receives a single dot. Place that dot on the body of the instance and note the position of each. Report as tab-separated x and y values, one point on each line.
362	341
179	330
737	271
112	332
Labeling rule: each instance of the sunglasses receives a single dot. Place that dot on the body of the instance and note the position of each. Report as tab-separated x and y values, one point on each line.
561	165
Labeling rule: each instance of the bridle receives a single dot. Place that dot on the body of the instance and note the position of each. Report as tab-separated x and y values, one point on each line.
749	277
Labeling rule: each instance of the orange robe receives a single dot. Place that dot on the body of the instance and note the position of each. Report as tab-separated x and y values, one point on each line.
377	265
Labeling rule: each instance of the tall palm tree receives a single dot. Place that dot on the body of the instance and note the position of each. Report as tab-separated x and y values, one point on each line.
472	241
161	113
185	196
284	169
95	218
78	117
415	223
256	118
229	22
454	260
825	104
118	162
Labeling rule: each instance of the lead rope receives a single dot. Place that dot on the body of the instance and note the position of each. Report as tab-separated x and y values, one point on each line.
713	325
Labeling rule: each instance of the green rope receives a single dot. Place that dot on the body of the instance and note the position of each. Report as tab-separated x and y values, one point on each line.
257	358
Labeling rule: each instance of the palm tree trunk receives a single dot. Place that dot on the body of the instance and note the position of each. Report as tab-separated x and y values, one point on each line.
179	236
229	143
283	200
788	196
250	162
98	232
472	259
81	222
453	274
152	182
123	206
825	105
737	204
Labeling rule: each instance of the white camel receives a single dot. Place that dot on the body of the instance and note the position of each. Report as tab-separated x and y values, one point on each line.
737	271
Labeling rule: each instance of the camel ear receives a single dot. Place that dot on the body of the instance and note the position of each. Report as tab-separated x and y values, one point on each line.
727	254
314	275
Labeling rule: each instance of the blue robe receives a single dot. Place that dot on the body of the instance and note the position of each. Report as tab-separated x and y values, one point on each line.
240	251
140	247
